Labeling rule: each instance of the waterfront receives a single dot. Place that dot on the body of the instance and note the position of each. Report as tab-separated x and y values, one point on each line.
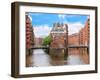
57	43
40	58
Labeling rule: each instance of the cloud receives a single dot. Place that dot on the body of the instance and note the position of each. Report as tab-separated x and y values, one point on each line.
64	16
61	16
42	30
30	17
74	27
33	14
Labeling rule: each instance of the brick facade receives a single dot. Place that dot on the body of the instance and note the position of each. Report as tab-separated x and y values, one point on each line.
84	34
59	33
81	38
38	41
73	40
29	35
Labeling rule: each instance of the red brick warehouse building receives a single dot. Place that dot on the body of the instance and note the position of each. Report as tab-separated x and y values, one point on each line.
29	35
59	37
59	33
84	36
73	40
78	39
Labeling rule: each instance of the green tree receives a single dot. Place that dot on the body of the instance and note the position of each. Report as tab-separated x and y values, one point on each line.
47	40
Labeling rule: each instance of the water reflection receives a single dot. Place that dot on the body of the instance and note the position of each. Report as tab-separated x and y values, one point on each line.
74	60
29	61
54	58
40	58
57	57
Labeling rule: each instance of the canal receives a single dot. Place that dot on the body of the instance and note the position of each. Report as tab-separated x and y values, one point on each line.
40	58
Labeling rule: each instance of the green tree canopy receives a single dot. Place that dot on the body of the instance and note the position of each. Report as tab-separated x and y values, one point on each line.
47	40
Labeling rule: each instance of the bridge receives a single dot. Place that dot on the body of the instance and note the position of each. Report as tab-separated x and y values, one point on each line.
40	47
78	46
69	46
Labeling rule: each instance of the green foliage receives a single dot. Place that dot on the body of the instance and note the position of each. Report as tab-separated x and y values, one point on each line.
47	41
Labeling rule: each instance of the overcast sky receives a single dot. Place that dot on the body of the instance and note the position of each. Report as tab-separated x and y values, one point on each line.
43	22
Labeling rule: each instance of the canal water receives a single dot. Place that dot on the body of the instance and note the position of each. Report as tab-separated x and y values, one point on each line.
74	60
41	58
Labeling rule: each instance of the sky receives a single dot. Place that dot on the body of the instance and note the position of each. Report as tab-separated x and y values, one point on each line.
43	22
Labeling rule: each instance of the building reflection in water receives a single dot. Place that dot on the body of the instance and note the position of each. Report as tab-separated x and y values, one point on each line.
59	53
29	61
40	58
57	57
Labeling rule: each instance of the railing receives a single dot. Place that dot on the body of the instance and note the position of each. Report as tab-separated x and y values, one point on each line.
78	46
39	47
69	46
82	48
